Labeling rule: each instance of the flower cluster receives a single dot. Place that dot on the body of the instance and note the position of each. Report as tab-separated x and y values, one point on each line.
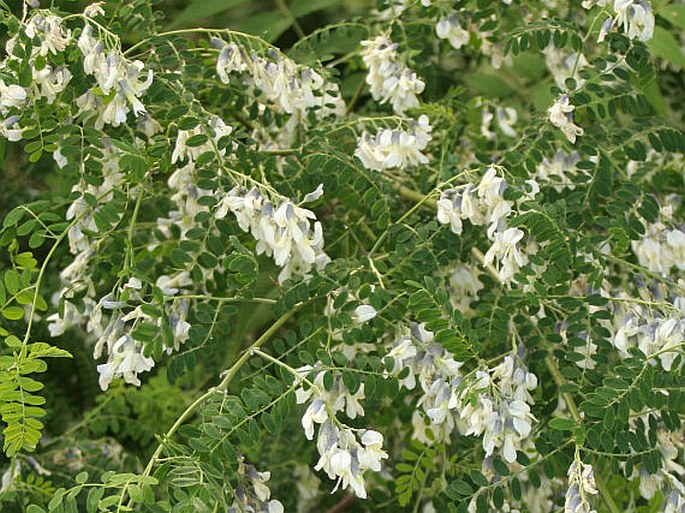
493	403
114	334
561	116
11	97
183	181
581	485
484	204
481	204
390	149
125	360
669	476
661	248
292	89
389	79
216	130
650	331
464	286
283	230
635	16
48	29
505	253
419	358
10	129
501	411
75	277
253	494
120	83
48	80
345	453
280	83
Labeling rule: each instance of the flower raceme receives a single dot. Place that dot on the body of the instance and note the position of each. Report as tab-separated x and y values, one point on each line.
278	83
581	486
500	413
345	453
390	81
283	230
119	83
484	204
636	17
395	149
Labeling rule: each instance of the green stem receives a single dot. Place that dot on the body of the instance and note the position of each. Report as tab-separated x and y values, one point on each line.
283	7
232	372
573	409
264	300
559	380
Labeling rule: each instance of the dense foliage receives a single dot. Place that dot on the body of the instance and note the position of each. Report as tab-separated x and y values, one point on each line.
418	255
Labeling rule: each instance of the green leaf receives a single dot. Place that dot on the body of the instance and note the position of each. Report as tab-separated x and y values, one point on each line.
268	25
489	85
13	313
674	14
665	45
196	140
562	424
202	9
44	350
12	281
13	217
303	7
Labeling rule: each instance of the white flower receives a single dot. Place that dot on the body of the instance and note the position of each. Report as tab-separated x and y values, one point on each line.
561	116
94	9
637	18
364	313
285	87
114	74
48	29
10	129
449	28
316	413
506	254
50	81
482	204
283	231
231	58
218	129
391	149
253	494
125	360
170	286
11	96
371	455
464	286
